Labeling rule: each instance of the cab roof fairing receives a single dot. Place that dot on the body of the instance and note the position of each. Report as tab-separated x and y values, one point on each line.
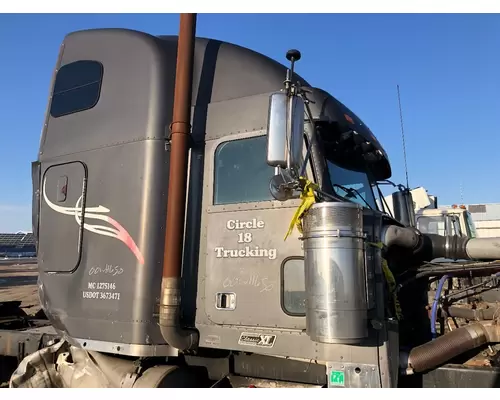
228	71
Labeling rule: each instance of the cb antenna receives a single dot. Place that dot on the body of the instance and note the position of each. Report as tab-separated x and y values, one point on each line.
403	137
292	56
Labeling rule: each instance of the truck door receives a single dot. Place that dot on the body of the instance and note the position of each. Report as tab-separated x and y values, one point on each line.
62	201
455	228
249	265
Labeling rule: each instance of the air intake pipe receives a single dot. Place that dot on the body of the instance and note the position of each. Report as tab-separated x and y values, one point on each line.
483	248
441	350
431	246
169	319
402	202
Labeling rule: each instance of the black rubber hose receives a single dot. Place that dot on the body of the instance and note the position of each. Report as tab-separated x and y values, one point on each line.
408	238
437	246
437	352
434	270
425	246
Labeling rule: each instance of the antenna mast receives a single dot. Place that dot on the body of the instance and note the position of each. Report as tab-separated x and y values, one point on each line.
403	137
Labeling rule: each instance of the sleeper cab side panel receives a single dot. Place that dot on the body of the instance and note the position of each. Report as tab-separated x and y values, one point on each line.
102	282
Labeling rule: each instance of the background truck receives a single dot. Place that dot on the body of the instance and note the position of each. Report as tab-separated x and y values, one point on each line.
431	218
201	223
446	221
486	218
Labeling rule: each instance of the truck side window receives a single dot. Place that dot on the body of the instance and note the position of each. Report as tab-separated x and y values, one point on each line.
293	289
435	225
241	171
77	88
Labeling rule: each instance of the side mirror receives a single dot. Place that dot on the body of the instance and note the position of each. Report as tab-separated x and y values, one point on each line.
402	203
285	131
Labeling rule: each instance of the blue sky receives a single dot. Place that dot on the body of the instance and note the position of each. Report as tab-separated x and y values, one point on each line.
448	68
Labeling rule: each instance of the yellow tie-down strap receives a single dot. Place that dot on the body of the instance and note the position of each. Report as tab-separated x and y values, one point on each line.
308	199
391	282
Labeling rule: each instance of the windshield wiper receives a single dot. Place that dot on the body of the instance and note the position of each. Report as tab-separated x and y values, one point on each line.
351	192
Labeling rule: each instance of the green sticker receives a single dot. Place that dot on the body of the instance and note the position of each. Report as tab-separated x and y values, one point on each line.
337	378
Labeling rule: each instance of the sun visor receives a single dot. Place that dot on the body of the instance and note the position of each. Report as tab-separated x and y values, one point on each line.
347	140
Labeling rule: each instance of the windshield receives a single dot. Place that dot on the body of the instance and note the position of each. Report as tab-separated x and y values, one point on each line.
434	225
348	179
439	225
471	227
455	221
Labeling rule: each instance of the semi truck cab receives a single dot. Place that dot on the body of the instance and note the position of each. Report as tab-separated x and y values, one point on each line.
285	273
446	221
100	190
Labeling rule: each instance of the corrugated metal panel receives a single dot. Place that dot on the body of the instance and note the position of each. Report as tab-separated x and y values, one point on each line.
492	212
484	212
477	208
486	224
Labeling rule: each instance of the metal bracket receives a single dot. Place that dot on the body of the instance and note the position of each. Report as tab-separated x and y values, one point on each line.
130	378
168	137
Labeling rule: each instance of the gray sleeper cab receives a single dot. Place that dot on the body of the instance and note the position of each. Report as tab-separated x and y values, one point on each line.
100	198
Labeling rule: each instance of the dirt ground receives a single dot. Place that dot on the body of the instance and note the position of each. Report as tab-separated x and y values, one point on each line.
18	282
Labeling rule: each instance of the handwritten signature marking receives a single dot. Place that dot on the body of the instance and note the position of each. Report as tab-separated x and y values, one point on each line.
109	269
253	281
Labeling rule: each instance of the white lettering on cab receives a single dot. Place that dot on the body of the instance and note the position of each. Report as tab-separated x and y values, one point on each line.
245	238
236	224
246	252
101	291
